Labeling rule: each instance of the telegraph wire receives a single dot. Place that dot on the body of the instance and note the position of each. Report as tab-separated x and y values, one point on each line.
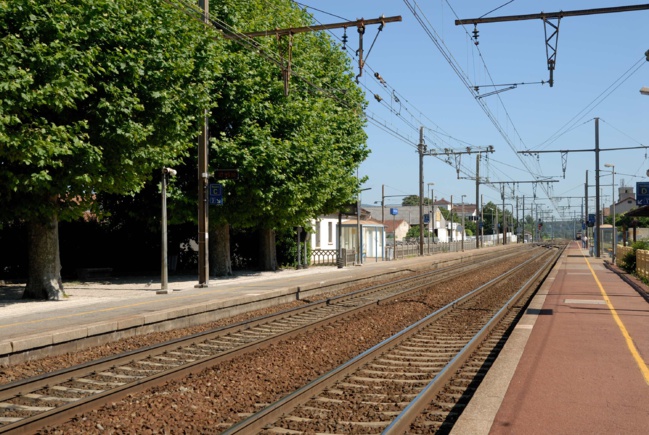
392	96
594	103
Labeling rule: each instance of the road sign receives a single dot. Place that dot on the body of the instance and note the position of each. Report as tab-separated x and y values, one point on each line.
226	174
642	198
216	194
394	211
426	218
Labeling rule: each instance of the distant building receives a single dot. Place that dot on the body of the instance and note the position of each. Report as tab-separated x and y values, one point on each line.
626	201
470	211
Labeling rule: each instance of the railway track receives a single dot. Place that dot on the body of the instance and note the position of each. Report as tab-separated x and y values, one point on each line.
50	399
405	379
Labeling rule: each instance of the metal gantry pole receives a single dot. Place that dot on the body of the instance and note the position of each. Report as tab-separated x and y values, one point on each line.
482	220
477	193
463	230
598	242
203	179
422	150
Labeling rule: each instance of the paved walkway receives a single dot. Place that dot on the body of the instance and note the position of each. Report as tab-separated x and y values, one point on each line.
577	362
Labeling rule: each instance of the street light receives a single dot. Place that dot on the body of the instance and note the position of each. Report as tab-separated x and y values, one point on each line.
614	242
164	272
644	90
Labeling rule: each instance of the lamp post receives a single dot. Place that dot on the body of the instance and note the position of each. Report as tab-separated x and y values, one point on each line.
463	230
431	222
614	242
511	217
358	227
163	251
383	196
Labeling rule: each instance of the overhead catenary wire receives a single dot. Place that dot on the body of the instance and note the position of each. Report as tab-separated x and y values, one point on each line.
570	125
391	94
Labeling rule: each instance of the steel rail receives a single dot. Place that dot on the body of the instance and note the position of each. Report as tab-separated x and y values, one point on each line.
64	412
260	420
402	423
23	386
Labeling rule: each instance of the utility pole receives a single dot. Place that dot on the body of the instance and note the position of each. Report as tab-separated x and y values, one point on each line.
203	179
523	218
463	230
482	220
596	150
477	194
502	194
422	149
451	216
598	242
586	206
458	153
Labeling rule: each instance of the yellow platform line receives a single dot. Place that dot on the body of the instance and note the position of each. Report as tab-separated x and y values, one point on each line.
625	333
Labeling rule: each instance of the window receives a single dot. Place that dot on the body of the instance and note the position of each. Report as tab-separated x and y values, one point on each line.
331	232
317	233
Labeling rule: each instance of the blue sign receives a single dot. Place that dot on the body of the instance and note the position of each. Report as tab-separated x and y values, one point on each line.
394	211
591	220
216	194
642	198
426	218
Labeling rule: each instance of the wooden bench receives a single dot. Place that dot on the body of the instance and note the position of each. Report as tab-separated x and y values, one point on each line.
94	272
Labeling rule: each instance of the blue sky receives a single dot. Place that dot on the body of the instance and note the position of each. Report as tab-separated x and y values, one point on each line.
600	68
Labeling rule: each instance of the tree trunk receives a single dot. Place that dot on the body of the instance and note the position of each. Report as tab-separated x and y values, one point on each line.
44	273
220	261
267	250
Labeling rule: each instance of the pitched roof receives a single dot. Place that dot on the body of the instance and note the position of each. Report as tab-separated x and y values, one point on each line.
466	208
391	225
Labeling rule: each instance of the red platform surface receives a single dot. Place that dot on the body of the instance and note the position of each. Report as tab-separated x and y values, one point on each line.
584	368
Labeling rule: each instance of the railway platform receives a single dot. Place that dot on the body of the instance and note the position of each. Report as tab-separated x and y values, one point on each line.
95	313
576	363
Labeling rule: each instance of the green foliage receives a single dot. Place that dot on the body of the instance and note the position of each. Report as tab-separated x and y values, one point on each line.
297	155
414	200
413	233
96	95
410	200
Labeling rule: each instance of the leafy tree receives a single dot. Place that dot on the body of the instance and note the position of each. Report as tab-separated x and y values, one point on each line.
471	227
97	95
414	200
297	155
